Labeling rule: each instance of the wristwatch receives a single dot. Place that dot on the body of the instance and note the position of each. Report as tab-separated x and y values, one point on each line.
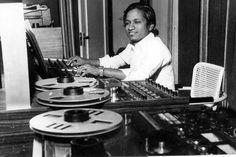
101	71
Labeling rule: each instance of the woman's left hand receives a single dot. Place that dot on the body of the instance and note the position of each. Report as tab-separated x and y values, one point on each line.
87	69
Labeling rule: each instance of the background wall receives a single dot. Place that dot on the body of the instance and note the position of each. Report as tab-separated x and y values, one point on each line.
231	56
119	37
189	33
163	12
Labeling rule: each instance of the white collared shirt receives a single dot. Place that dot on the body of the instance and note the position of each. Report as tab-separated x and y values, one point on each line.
149	58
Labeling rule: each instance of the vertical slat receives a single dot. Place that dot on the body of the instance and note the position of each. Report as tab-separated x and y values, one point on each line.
80	27
174	36
105	25
224	86
63	27
70	28
86	27
204	30
66	15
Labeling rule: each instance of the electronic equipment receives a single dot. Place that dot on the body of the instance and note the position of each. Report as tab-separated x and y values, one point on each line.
203	132
139	90
145	94
58	67
73	97
44	67
74	132
76	123
155	120
176	131
40	67
64	82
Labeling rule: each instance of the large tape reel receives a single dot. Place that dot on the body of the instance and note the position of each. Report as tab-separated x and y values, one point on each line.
80	122
73	97
64	82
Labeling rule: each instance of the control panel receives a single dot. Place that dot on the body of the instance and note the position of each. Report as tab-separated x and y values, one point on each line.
201	131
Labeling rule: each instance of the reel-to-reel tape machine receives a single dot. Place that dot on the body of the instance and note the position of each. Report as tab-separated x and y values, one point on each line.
158	109
79	117
64	82
74	132
71	123
70	92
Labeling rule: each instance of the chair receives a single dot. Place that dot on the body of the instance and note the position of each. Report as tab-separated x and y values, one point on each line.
206	81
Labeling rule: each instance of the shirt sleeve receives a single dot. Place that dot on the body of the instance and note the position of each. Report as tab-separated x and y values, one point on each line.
111	62
116	61
126	71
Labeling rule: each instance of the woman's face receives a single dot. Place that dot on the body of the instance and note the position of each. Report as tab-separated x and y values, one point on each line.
136	26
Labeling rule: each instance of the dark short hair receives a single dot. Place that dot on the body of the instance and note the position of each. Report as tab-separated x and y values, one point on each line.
148	13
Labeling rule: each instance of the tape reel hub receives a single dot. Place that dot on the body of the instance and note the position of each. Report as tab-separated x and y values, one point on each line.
70	91
76	115
65	79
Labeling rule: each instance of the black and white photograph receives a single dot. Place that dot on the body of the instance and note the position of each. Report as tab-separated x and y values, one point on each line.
117	78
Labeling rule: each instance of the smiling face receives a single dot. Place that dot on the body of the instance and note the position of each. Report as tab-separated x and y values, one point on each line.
136	26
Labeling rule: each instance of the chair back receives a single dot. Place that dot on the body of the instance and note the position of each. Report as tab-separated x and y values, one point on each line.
206	80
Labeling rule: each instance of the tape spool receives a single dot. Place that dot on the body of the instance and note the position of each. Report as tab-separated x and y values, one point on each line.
56	124
75	105
64	82
73	97
59	96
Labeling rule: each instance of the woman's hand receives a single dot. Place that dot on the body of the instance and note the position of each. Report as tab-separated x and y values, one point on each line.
75	61
87	69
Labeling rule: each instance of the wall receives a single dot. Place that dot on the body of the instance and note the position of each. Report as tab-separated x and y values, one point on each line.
231	56
189	30
119	37
162	11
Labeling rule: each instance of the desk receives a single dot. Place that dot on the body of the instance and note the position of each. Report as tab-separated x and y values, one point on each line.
16	139
126	141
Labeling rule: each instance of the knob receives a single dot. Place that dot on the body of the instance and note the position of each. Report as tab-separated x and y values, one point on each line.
113	93
146	145
180	132
195	144
203	150
162	148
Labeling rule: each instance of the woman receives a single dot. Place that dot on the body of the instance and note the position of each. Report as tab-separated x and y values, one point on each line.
146	54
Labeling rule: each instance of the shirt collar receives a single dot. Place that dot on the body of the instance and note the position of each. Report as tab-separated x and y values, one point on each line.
145	39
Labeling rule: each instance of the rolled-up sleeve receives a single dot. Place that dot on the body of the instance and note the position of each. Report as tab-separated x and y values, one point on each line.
111	62
118	60
126	71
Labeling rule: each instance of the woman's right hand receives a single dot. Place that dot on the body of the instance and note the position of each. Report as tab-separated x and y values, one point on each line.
75	61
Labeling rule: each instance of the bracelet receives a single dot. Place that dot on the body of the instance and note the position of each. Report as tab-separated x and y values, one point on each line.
101	71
